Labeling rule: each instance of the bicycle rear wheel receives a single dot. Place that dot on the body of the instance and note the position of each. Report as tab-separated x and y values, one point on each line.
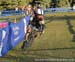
30	39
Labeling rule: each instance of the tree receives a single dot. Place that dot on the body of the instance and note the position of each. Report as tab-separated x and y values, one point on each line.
46	3
72	2
59	3
11	4
64	3
3	4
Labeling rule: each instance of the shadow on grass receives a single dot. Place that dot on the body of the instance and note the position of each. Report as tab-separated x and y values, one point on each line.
68	18
51	49
28	52
28	56
70	27
17	58
49	19
58	18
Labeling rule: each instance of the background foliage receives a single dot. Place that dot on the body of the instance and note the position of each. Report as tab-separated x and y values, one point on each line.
4	4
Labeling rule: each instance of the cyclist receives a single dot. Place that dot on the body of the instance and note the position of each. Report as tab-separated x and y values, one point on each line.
39	18
28	11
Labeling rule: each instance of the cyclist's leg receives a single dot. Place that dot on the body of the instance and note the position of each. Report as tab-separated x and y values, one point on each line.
41	23
41	27
25	43
38	29
28	32
35	31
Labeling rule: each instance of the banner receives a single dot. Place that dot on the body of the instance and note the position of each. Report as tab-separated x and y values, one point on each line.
12	35
18	30
4	32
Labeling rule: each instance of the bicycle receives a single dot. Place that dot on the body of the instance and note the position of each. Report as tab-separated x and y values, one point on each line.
30	38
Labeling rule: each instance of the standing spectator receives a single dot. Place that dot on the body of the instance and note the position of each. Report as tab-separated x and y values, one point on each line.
16	9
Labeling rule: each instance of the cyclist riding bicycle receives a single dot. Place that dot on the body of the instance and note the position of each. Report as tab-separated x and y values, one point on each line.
28	11
38	19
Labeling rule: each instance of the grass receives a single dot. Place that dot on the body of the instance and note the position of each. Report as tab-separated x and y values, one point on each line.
58	41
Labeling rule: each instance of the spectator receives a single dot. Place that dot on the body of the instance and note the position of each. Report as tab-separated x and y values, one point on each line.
16	9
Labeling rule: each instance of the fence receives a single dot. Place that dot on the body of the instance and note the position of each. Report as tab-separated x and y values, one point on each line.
47	10
6	13
10	15
10	12
57	10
